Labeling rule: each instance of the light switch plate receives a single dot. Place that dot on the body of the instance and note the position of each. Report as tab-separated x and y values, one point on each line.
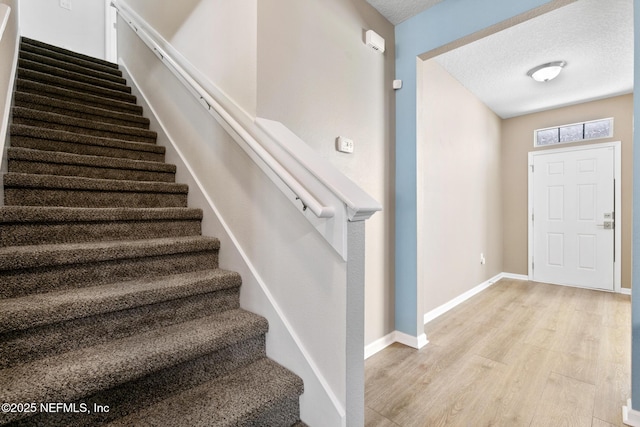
344	145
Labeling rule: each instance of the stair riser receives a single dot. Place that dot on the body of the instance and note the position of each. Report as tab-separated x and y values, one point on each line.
88	171
71	57
23	282
73	75
49	340
283	413
151	389
53	62
84	149
79	113
91	199
75	96
61	82
83	130
83	232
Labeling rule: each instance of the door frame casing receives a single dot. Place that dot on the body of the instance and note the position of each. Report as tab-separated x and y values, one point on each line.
111	35
617	156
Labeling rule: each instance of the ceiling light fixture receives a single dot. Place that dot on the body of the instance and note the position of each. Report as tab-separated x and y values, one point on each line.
546	72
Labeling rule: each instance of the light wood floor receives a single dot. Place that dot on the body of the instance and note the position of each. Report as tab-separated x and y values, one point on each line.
517	354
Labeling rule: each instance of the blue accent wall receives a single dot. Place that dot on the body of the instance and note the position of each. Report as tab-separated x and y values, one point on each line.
635	277
439	25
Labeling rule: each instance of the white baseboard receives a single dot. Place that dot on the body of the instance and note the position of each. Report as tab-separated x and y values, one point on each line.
439	311
513	276
630	416
411	341
395	336
379	345
421	341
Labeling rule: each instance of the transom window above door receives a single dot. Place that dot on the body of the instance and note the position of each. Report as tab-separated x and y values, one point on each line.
594	129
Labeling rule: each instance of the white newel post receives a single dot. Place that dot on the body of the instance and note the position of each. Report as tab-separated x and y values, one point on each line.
355	324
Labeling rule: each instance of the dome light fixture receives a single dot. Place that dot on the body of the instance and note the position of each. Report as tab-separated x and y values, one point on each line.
546	72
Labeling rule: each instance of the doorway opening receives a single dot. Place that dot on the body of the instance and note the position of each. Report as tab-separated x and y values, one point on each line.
574	227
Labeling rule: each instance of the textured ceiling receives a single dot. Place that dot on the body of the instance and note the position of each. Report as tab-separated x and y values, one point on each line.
397	11
595	37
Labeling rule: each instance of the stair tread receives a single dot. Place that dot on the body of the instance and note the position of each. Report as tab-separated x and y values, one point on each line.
27	180
62	119
74	75
226	401
117	301
70	59
40	309
60	135
42	88
49	214
61	105
34	256
67	52
29	154
58	63
27	74
69	376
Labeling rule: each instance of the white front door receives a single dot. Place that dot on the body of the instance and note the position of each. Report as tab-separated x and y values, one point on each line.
573	217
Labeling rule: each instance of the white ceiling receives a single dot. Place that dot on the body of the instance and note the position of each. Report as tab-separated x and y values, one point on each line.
397	11
594	37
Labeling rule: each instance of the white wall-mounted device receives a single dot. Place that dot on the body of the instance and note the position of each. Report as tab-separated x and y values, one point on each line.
397	84
374	40
344	145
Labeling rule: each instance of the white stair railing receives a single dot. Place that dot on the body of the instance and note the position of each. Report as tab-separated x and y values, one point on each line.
307	179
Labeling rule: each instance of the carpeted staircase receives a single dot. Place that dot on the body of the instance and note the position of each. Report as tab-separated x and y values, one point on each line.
110	296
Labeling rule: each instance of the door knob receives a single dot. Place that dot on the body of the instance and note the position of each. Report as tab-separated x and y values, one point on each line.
607	225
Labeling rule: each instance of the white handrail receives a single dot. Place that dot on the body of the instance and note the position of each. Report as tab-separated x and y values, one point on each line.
5	11
358	203
307	198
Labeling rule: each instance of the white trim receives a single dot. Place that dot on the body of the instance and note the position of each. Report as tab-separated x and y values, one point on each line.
5	11
419	342
439	311
411	341
7	102
395	336
379	345
110	32
630	416
513	276
254	272
617	146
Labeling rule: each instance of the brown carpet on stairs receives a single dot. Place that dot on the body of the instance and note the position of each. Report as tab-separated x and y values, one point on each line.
113	308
